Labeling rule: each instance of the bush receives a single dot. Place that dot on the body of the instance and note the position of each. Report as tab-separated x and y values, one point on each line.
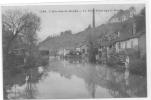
137	63
131	52
113	60
138	66
42	60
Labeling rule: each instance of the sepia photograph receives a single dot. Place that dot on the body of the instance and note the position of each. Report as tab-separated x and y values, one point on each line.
74	51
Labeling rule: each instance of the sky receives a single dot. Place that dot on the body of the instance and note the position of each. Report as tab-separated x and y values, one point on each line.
54	23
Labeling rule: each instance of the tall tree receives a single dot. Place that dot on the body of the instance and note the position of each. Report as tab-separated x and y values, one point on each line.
17	23
12	26
22	26
32	25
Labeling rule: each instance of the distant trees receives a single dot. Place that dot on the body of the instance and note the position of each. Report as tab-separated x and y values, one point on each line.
67	32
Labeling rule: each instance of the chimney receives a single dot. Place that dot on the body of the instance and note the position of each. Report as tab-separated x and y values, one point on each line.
93	20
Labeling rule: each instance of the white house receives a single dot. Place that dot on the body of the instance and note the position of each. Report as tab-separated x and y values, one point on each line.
127	44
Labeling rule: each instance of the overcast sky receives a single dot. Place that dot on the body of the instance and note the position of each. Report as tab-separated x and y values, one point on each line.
54	23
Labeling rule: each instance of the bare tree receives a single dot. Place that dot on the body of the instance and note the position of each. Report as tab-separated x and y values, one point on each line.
22	26
12	23
16	23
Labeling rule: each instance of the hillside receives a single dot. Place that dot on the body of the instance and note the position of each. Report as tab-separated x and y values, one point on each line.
72	40
69	40
64	40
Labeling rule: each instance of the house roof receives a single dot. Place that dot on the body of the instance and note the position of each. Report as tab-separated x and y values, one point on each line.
126	30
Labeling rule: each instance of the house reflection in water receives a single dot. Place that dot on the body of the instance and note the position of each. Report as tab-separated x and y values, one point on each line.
78	80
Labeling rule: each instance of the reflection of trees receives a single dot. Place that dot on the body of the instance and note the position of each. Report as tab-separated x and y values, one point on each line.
29	90
19	33
11	77
115	82
30	87
91	87
19	79
33	76
90	80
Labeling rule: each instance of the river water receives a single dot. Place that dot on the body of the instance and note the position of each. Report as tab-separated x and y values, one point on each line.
62	79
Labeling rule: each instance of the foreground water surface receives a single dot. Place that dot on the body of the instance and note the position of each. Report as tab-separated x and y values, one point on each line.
68	79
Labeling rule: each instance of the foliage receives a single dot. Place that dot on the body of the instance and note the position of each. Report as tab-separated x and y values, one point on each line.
68	32
113	60
19	25
138	66
140	23
19	30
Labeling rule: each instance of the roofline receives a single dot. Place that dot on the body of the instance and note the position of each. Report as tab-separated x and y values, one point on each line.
120	40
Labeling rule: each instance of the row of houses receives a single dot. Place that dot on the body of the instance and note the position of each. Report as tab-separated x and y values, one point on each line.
134	42
124	36
124	40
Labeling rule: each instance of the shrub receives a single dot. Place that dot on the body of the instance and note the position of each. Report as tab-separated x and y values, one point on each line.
131	52
137	63
138	66
113	60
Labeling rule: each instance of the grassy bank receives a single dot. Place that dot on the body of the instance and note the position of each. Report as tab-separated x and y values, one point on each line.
137	64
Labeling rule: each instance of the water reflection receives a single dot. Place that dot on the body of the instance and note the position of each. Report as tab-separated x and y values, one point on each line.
23	83
68	79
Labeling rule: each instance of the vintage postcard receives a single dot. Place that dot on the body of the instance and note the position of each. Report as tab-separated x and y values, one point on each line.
74	51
